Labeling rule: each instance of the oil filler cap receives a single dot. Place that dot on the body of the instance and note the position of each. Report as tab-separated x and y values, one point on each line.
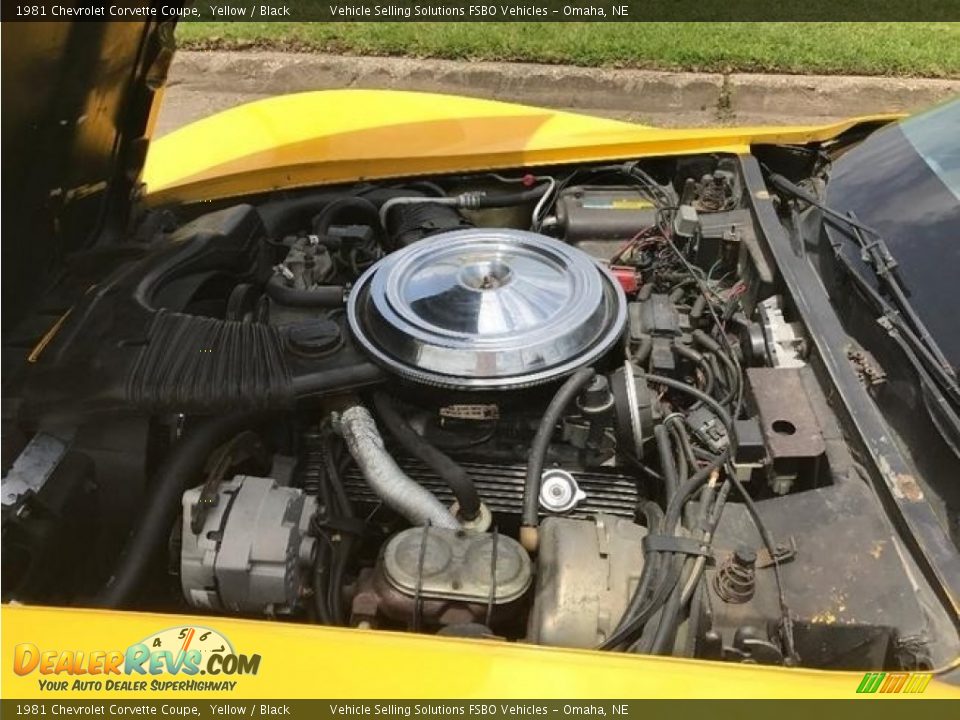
559	492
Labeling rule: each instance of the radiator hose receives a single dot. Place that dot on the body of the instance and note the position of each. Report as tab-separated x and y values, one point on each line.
325	296
384	476
182	468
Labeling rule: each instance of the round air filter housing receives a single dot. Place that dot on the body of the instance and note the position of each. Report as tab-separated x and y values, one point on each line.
486	309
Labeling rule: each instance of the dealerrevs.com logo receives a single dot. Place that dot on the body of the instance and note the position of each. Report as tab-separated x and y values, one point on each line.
186	651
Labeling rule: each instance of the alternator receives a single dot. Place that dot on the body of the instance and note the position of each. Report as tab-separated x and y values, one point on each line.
252	553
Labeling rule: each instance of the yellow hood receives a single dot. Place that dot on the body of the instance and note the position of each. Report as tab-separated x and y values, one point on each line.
335	136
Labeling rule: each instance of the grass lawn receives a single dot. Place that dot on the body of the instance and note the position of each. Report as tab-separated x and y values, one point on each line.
902	49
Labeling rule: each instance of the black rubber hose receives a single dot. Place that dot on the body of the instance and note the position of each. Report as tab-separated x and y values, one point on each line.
338	566
683	438
680	457
667	629
668	465
672	607
510	199
699	305
722	377
663	641
654	517
341	378
700	361
654	614
321	570
332	555
326	296
672	568
687	489
668	575
181	469
335	480
699	395
655	639
452	473
319	610
282	217
711	345
356	205
346	545
672	517
538	448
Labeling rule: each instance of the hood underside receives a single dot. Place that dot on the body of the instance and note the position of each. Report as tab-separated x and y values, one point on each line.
78	100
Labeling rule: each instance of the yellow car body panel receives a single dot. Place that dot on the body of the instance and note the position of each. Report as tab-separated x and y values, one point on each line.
339	136
304	661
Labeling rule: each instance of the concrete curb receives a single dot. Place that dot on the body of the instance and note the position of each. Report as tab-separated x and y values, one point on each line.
610	91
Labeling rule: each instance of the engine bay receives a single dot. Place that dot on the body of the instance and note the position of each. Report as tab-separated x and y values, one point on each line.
569	406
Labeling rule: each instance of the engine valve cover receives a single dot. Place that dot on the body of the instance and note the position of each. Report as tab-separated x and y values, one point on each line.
486	309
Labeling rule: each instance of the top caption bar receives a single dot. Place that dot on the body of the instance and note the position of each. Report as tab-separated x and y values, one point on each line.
465	11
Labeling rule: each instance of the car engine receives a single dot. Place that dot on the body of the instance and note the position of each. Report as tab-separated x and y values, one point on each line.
568	406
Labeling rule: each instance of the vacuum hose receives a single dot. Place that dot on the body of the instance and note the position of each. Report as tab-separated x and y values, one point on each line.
529	535
384	476
452	473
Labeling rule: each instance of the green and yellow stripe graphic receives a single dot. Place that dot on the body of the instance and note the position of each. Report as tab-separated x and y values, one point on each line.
894	682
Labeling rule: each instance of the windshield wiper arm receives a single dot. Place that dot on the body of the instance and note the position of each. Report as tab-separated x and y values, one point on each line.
878	257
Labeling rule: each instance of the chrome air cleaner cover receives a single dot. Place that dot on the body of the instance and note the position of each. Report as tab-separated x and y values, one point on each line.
486	309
